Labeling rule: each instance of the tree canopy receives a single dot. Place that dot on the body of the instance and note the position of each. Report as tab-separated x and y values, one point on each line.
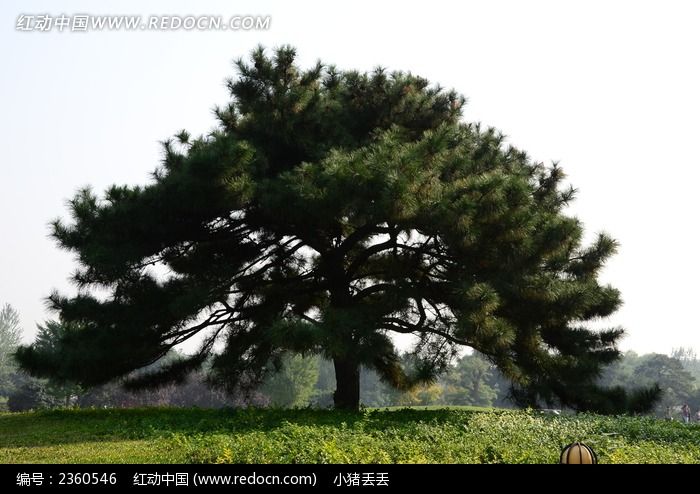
329	210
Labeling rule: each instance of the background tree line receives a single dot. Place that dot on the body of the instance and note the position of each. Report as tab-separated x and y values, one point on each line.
310	381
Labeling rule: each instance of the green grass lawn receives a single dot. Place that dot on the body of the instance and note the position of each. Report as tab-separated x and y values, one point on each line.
462	435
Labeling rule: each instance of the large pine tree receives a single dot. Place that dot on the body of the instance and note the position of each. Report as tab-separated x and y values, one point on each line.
328	211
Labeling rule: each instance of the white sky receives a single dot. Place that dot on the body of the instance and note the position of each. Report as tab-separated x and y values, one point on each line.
609	89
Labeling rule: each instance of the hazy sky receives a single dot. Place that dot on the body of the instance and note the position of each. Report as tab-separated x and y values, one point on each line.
611	90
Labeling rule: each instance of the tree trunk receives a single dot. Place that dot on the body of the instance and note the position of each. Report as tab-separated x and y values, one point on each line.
347	378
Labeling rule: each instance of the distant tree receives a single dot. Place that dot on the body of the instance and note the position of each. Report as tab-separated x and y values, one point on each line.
23	391
684	354
677	384
621	372
27	393
323	390
689	358
469	382
59	391
423	395
330	210
10	338
292	385
374	391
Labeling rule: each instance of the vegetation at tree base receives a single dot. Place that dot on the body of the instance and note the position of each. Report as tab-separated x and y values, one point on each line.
330	210
308	436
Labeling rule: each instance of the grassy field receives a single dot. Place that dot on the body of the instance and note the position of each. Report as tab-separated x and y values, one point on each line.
311	436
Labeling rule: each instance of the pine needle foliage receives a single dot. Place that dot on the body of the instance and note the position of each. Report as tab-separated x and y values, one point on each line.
328	211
